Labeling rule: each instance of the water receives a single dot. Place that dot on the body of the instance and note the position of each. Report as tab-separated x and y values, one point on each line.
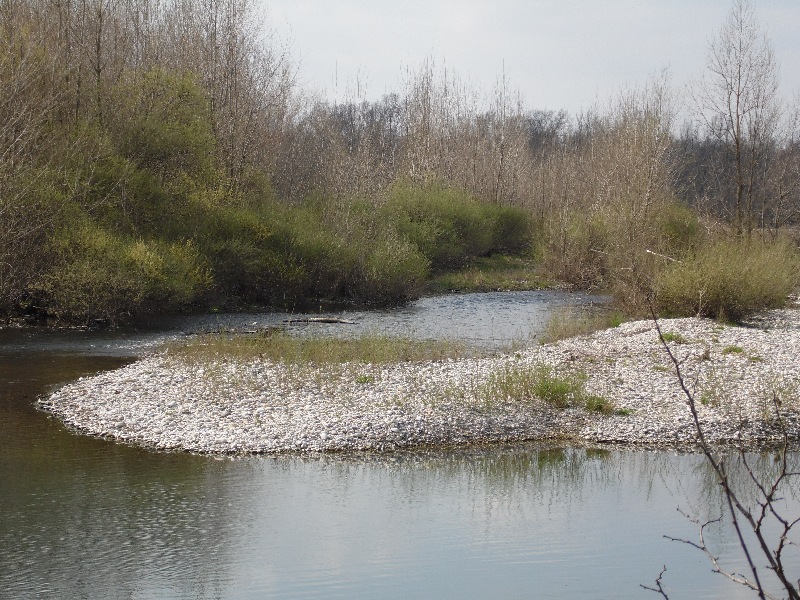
87	518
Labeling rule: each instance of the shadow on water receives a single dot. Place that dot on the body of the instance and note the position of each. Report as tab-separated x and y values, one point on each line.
87	518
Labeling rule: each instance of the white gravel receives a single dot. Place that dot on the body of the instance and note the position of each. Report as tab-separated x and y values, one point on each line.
228	406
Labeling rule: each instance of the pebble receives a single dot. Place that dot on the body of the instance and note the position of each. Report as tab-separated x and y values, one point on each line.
745	381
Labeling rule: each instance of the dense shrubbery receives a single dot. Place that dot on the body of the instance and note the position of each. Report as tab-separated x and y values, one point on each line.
729	279
450	227
157	228
599	250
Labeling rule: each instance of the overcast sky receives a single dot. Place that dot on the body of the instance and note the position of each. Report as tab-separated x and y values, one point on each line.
558	53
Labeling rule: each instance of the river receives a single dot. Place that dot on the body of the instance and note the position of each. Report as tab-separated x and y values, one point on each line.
87	518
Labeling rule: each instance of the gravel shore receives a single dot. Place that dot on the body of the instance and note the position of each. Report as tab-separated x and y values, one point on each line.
229	406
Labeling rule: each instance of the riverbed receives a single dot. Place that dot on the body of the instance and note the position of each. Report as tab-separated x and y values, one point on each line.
86	517
742	381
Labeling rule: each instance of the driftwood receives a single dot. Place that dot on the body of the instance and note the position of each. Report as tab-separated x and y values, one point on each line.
320	320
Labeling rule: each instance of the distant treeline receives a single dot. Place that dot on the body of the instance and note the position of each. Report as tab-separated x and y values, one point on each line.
157	155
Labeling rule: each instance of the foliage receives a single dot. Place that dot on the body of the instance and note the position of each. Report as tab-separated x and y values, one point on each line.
450	227
729	279
100	276
196	154
162	122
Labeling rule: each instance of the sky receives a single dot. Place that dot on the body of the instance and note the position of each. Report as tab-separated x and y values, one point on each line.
559	54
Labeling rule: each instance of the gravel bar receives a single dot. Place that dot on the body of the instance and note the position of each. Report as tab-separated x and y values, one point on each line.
232	406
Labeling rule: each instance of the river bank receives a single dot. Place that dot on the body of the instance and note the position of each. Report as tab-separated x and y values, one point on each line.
255	406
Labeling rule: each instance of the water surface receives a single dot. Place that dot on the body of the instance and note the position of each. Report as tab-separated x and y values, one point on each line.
87	518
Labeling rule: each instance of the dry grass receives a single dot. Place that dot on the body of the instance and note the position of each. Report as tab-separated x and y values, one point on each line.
571	322
280	346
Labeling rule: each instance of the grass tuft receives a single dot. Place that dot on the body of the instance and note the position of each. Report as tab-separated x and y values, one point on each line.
560	390
732	350
673	336
571	322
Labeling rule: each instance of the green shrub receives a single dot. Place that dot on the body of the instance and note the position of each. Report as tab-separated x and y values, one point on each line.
449	227
162	121
512	231
392	270
103	276
271	253
729	279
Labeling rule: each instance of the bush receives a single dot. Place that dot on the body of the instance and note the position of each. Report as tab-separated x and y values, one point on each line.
512	231
393	270
299	255
678	229
449	227
103	276
729	279
616	248
578	252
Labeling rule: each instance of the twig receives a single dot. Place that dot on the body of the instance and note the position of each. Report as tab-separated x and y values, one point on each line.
740	515
662	256
659	589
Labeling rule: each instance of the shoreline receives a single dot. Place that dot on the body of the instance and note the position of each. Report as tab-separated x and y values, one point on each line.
228	406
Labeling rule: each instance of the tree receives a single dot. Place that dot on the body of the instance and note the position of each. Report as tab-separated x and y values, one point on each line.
740	109
28	95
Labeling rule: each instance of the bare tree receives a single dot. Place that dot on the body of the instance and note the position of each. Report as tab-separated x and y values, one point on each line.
28	97
739	107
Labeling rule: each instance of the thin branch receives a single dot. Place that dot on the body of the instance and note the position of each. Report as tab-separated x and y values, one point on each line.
659	589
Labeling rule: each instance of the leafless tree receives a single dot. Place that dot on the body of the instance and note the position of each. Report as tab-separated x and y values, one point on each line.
739	107
29	193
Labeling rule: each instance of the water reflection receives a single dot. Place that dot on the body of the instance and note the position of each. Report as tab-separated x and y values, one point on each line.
502	522
87	518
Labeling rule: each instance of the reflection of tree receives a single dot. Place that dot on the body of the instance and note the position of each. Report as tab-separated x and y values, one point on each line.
523	475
